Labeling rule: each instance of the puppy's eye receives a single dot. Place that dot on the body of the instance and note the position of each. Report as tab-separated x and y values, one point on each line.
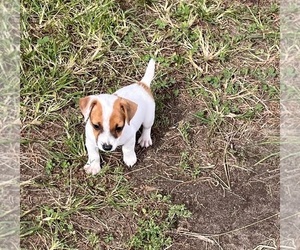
96	126
119	128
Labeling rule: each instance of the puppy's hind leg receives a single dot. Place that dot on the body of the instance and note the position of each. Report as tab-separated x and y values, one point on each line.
145	139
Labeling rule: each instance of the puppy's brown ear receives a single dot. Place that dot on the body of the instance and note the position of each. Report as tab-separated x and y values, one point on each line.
129	108
86	104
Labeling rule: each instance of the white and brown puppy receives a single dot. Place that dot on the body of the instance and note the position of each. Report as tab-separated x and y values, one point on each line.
113	119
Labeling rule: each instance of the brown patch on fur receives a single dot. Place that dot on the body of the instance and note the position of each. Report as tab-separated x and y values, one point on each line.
96	118
145	87
116	120
123	110
83	104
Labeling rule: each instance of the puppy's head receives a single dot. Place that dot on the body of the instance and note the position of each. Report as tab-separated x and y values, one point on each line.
106	117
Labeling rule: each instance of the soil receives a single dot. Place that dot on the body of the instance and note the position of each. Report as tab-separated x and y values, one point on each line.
240	214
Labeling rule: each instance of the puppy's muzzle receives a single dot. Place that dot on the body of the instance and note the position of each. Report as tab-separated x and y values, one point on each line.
107	147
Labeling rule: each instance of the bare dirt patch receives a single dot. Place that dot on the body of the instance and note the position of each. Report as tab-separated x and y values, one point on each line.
241	216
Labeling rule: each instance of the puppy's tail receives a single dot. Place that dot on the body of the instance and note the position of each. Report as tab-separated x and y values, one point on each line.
149	74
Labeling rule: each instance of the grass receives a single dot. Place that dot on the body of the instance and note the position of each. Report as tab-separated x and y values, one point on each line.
216	92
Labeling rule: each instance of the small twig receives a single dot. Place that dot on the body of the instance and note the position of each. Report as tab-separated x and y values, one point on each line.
266	158
195	235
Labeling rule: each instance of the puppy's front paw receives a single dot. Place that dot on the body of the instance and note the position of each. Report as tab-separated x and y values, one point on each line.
145	141
92	168
130	159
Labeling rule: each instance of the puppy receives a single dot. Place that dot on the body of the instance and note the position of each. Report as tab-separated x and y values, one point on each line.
112	120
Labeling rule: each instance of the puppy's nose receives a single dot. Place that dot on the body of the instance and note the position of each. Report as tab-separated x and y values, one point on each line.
107	147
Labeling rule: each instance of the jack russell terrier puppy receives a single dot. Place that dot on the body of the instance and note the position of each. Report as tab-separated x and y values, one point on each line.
113	119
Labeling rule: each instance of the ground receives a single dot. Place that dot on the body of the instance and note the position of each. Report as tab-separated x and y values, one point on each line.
211	178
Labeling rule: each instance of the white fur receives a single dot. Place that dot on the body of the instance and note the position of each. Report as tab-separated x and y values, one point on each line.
144	116
149	74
